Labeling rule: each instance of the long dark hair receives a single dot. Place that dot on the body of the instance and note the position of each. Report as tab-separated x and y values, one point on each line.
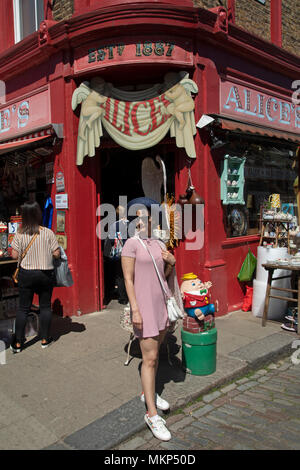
31	218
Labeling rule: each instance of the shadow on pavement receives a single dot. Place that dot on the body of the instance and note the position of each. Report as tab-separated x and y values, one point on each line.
60	326
170	366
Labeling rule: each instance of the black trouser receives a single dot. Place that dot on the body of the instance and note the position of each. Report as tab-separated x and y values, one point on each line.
120	281
30	282
114	276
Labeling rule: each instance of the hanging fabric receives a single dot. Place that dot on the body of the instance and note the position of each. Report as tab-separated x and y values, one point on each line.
136	121
48	213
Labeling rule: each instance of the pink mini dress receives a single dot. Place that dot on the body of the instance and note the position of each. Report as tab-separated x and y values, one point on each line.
148	291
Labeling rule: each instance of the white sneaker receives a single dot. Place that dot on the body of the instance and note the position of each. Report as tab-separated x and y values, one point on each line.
158	428
160	403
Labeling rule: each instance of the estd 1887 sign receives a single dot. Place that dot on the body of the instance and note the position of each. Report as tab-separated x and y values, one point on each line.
163	49
148	48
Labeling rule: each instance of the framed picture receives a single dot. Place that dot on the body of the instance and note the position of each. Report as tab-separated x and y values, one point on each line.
287	208
62	241
60	221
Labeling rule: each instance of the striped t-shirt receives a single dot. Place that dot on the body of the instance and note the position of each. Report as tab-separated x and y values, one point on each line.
40	254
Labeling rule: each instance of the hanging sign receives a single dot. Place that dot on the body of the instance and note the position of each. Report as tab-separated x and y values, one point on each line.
136	120
61	201
60	182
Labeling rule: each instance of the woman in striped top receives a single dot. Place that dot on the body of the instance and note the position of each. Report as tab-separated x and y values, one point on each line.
36	273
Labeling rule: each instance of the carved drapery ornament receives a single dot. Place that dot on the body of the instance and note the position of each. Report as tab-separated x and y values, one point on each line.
136	120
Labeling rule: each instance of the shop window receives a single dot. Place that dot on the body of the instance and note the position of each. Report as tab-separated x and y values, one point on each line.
268	169
28	14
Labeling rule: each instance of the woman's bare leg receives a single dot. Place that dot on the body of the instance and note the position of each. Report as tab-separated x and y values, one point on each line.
162	335
158	342
150	349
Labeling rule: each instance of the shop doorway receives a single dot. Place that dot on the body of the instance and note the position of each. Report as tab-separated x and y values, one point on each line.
121	175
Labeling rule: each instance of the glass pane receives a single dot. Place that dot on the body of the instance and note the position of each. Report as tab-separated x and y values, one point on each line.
270	169
27	17
40	12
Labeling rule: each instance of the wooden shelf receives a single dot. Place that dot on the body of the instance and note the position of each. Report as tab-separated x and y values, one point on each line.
278	233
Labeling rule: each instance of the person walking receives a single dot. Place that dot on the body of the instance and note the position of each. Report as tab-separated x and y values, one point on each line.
36	273
148	310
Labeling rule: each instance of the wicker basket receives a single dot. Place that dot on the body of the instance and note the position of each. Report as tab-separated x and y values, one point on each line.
125	319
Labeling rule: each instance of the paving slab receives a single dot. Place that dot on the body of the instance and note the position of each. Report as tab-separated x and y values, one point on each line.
265	349
79	394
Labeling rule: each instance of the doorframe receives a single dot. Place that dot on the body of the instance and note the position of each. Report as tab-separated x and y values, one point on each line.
100	261
110	144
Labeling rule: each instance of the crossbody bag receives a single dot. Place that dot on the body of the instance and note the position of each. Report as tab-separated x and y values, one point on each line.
174	312
16	273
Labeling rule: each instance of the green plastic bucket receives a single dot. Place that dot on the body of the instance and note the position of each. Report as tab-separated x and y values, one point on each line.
199	352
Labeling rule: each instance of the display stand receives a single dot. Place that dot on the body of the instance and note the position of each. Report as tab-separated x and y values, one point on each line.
279	228
232	180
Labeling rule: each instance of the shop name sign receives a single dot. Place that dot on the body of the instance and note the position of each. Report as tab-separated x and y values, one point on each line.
258	107
136	51
24	115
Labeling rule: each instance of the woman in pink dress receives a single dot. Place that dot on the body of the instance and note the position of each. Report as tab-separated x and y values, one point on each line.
149	311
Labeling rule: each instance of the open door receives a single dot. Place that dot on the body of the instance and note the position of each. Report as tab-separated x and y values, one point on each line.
120	174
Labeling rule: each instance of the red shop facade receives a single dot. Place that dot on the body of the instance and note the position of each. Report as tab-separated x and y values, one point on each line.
244	91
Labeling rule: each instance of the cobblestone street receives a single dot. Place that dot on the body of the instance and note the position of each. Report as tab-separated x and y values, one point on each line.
259	411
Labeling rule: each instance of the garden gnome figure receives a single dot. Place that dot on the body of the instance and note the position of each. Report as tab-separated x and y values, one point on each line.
196	297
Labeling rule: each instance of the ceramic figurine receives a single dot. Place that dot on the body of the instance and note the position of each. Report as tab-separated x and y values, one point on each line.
196	297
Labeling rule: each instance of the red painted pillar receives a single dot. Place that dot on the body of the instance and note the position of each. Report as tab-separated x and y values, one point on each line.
7	33
48	9
231	10
214	266
276	22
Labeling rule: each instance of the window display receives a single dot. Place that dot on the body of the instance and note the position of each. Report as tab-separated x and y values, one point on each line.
270	170
23	178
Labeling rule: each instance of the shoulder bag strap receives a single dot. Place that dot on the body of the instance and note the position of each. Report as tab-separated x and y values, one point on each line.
156	268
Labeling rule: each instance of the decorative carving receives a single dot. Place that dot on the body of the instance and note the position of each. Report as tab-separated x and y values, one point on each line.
44	36
136	120
221	24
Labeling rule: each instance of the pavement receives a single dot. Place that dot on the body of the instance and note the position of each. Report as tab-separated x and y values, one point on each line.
77	394
260	411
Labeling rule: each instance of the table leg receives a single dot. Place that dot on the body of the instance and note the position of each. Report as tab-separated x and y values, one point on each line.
262	233
267	299
298	300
